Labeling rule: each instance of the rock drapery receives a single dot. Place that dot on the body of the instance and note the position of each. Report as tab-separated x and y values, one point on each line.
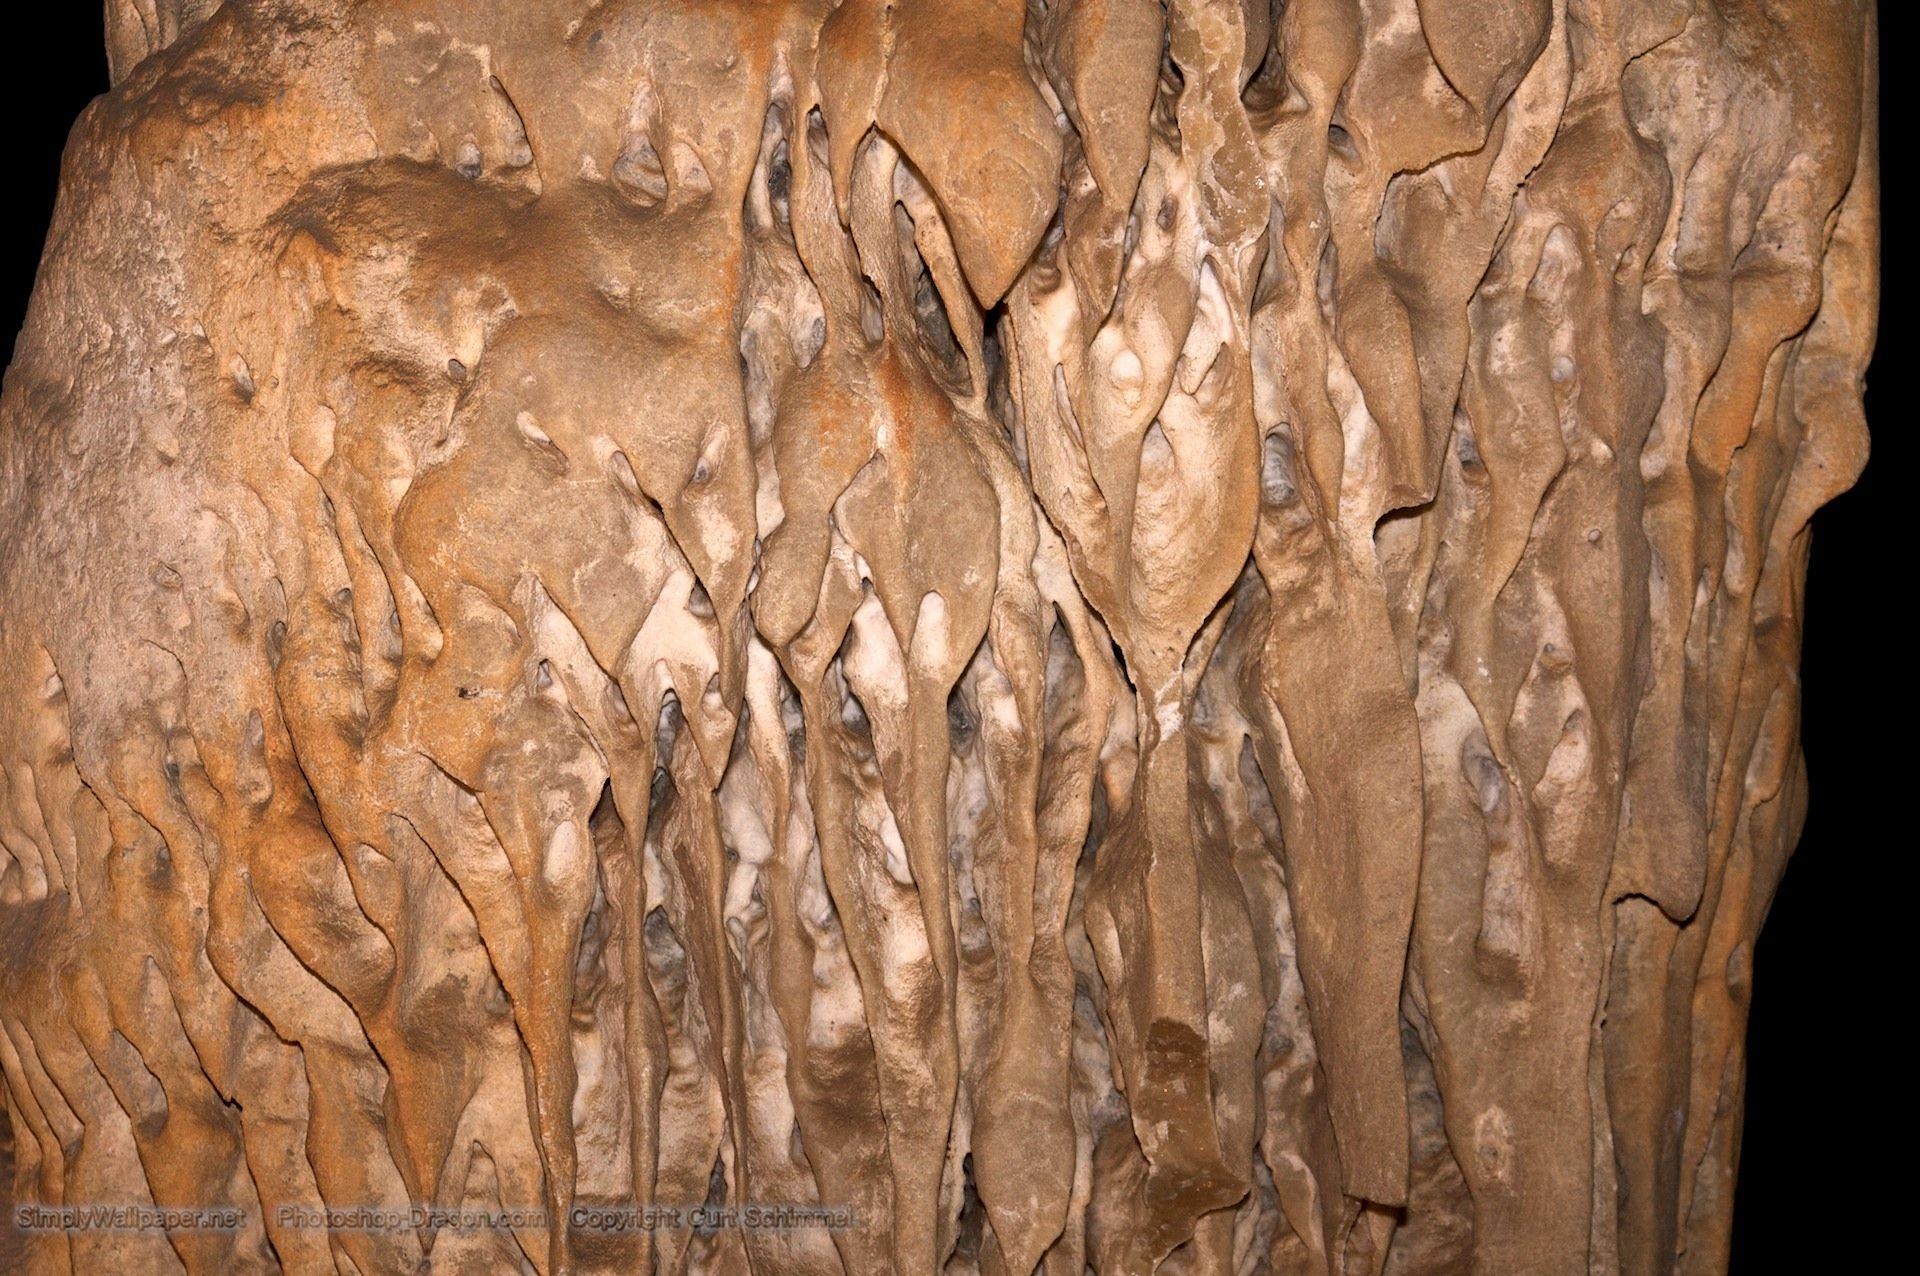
1116	634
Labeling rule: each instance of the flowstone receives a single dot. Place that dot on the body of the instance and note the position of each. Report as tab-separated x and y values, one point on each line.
921	636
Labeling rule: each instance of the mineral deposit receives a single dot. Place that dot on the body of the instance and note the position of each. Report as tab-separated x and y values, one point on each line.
968	636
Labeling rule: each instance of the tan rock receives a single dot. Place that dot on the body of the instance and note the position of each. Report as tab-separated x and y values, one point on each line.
922	635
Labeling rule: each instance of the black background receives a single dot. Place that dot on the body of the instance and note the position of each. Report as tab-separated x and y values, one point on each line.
1823	1105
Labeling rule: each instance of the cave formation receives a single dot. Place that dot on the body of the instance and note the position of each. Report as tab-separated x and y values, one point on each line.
1087	634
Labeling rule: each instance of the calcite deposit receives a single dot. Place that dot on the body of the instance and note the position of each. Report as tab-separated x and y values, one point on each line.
924	636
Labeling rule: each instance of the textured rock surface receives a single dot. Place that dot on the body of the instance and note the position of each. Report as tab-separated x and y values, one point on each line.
1103	633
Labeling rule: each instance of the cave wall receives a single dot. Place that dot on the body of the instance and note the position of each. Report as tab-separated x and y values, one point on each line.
1088	634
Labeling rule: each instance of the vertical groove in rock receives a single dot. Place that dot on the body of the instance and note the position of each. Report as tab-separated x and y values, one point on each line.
1079	634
